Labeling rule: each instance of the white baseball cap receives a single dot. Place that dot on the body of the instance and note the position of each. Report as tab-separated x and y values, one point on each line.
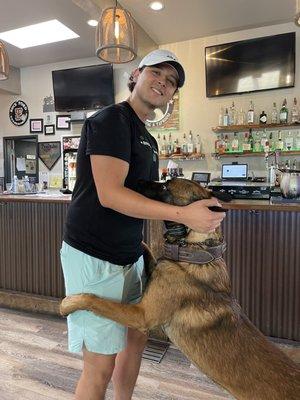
164	56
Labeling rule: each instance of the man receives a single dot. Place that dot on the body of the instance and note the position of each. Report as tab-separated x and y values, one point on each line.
102	248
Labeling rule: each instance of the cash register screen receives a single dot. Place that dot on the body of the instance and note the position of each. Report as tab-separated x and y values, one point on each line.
235	171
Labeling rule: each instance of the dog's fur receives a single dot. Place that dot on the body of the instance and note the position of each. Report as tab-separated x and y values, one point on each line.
195	306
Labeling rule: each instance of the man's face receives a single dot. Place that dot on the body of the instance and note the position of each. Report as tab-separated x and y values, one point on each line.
156	84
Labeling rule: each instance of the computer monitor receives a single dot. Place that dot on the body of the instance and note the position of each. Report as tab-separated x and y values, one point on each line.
201	177
235	172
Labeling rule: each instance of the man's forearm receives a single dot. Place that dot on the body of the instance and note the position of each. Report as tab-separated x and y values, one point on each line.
131	203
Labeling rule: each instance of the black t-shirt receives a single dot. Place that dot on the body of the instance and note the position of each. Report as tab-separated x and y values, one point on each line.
101	232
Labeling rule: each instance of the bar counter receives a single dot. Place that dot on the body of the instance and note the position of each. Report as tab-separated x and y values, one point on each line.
263	253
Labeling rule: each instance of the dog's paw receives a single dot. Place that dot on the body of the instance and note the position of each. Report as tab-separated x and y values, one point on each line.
74	303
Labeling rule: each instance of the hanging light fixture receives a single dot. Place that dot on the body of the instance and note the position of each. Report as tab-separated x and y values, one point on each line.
115	36
4	63
297	16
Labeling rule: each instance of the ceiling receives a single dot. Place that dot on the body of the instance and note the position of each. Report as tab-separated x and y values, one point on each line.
180	20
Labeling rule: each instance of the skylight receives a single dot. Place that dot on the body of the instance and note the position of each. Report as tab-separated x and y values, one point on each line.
38	34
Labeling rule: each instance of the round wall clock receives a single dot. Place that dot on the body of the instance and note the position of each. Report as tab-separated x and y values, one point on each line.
160	115
18	113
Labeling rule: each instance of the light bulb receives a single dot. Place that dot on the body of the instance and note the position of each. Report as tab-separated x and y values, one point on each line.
117	27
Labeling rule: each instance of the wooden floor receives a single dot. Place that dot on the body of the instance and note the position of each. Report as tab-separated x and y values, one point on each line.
35	365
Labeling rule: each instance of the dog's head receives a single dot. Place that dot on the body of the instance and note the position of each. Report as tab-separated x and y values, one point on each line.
178	191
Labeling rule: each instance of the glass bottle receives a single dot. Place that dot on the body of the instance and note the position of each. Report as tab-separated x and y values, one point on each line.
257	144
279	143
198	145
241	118
295	116
274	114
184	148
289	141
170	146
226	118
159	144
264	140
190	144
263	118
246	143
222	145
297	141
227	146
284	112
232	115
235	143
250	114
251	140
164	147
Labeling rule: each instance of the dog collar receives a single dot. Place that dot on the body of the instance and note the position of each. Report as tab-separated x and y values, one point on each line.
191	254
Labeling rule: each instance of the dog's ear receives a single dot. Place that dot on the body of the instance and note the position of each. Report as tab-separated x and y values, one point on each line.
222	196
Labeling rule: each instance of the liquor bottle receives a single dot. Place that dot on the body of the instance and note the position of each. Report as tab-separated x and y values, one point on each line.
298	141
241	118
263	118
274	114
251	140
159	144
250	114
226	118
164	147
246	143
289	141
198	145
271	142
170	145
221	116
217	144
257	144
295	115
235	143
264	140
284	112
221	145
294	166
279	143
190	145
232	115
184	148
15	185
177	146
227	146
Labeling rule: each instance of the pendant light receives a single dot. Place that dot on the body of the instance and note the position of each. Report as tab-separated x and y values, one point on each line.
115	36
4	63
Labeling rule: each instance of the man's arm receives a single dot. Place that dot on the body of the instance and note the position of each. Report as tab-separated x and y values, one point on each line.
109	175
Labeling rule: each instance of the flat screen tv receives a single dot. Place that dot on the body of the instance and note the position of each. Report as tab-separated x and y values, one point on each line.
250	65
83	88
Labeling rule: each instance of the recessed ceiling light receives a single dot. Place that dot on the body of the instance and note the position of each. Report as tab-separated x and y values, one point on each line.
92	22
156	5
38	34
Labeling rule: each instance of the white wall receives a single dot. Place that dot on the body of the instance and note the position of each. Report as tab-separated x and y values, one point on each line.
199	113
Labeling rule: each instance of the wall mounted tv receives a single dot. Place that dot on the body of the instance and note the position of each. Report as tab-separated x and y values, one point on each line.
83	88
250	65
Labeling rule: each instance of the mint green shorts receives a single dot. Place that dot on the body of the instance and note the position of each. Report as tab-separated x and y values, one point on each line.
86	274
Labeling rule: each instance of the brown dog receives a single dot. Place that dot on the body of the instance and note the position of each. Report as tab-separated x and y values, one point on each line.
193	302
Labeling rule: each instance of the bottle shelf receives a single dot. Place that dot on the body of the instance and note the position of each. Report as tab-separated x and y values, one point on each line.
181	157
242	128
256	154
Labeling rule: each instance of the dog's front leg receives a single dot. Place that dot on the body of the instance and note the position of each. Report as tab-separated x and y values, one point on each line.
131	315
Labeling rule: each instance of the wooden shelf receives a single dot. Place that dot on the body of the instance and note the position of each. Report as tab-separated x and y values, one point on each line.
242	128
184	158
254	154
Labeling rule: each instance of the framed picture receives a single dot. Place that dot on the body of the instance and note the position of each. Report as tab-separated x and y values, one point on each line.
63	122
49	153
49	129
36	125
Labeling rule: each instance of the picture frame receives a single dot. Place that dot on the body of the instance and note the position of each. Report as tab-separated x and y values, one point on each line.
36	125
49	153
49	129
63	122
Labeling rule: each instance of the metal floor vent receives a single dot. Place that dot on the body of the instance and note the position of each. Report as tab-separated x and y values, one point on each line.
155	350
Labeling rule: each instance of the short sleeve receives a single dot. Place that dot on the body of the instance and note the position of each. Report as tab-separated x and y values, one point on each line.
109	134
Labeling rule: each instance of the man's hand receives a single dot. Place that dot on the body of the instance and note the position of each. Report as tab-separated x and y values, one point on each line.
198	217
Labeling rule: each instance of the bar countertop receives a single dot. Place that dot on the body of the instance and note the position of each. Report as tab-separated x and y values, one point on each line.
233	205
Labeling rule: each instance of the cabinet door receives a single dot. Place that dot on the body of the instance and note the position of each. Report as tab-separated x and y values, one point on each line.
263	257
